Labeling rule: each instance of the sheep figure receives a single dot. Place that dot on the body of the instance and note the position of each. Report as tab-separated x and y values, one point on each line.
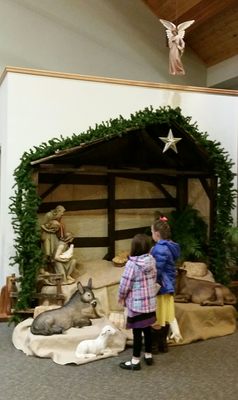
94	347
174	333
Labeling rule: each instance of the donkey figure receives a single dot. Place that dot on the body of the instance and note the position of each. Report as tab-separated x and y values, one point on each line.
201	292
71	314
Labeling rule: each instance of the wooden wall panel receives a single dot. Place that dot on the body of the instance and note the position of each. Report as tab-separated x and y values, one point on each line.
88	208
105	227
198	198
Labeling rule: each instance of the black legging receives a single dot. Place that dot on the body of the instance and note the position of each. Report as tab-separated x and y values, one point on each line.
137	340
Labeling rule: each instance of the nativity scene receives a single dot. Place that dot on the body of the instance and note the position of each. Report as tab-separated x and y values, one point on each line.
105	195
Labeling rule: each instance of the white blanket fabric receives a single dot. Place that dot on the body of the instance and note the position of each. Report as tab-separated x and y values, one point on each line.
61	348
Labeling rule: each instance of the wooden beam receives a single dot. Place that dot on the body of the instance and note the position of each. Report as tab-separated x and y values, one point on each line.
71	150
75	205
93	178
74	179
114	81
57	183
163	179
144	203
91	242
163	190
123	234
100	204
35	176
98	170
206	187
78	179
49	190
182	193
129	233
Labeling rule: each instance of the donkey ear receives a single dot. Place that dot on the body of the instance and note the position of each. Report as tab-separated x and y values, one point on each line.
90	283
80	288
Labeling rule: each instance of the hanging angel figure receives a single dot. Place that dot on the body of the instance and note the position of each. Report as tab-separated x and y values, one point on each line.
175	35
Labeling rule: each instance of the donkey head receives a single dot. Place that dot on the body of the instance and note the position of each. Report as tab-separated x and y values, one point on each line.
86	293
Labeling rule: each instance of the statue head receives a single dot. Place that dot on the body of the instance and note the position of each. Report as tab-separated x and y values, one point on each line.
58	212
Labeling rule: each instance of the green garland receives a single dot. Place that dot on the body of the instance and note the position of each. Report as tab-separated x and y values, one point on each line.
25	201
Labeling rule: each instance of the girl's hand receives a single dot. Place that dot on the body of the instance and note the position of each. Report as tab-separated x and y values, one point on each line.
122	302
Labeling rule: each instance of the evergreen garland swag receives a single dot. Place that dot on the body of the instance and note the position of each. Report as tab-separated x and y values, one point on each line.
25	201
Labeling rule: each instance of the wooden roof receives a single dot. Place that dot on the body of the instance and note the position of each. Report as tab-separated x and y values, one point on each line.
214	35
135	150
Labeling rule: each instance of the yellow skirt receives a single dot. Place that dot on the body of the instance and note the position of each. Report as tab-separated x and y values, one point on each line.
165	312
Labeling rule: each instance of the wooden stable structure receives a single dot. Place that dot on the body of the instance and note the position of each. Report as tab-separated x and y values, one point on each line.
117	164
135	155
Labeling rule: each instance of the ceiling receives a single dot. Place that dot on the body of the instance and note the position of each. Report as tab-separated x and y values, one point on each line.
214	35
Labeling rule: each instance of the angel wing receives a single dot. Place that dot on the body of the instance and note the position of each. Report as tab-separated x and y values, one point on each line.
171	28
167	24
181	28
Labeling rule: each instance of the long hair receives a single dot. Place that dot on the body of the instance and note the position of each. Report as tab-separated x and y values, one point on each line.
141	244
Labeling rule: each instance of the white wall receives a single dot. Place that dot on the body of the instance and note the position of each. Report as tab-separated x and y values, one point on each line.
35	109
224	74
5	173
114	38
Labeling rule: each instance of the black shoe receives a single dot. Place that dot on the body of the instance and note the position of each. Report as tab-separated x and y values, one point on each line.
148	360
163	348
132	367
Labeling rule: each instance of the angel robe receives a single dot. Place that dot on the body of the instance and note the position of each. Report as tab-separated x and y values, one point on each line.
176	45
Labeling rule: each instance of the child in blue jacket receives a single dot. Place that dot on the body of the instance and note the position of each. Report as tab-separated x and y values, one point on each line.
165	252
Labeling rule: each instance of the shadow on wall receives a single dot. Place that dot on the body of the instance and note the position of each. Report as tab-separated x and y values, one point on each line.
172	98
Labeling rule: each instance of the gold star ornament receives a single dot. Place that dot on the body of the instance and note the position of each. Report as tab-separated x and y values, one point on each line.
170	142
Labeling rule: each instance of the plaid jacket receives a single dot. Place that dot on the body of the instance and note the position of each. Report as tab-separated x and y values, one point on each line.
137	289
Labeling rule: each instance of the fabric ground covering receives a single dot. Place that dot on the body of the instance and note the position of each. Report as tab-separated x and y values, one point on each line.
204	322
61	348
195	322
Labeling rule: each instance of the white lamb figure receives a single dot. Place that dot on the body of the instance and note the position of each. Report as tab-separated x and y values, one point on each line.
175	333
93	347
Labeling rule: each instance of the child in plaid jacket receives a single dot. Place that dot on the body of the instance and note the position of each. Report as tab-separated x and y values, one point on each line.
137	291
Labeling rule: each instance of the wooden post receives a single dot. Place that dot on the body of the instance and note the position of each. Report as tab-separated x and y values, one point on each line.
182	192
111	216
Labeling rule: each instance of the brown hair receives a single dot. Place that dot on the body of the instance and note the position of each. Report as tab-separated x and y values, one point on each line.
163	228
141	244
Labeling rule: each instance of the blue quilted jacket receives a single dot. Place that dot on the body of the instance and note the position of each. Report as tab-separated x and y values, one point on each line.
166	253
